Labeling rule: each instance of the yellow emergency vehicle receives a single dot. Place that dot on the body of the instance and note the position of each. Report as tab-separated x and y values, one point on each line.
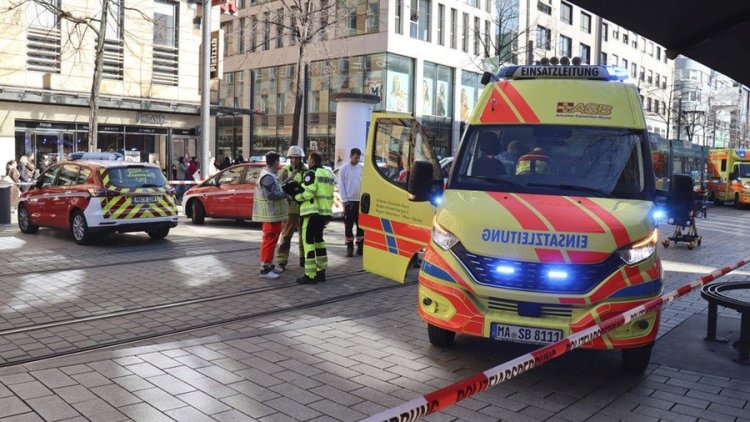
729	176
546	224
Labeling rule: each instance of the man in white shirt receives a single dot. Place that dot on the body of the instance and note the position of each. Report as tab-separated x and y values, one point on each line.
350	188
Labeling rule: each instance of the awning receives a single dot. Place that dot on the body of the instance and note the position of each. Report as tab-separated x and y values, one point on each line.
716	34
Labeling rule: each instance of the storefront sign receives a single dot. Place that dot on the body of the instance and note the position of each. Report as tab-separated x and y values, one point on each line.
110	128
217	52
132	156
150	118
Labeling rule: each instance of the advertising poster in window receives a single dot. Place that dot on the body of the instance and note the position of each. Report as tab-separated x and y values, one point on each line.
442	99
398	91
427	93
375	83
467	101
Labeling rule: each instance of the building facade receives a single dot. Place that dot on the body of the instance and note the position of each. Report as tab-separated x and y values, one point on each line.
558	28
423	57
149	90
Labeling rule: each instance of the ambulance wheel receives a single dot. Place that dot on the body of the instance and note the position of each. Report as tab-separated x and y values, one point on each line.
80	229
199	214
635	361
158	233
24	221
440	337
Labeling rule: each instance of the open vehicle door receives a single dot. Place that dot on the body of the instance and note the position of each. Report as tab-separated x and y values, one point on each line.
396	229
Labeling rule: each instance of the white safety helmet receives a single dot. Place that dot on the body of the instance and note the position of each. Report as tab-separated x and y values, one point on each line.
295	151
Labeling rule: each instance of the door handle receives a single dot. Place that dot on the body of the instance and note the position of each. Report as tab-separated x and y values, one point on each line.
364	203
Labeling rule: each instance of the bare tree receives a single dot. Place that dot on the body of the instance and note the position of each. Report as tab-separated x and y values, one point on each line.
82	25
306	24
504	45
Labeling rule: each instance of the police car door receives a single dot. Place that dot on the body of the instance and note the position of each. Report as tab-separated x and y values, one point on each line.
396	230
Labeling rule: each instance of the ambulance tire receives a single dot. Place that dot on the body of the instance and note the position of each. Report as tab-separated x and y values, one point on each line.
80	229
440	337
199	213
158	233
635	361
24	221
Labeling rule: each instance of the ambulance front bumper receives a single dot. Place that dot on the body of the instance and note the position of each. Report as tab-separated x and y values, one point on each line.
452	297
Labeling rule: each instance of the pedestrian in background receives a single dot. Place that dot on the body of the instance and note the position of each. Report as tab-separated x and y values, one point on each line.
25	171
13	176
192	169
292	172
316	206
269	207
182	168
350	188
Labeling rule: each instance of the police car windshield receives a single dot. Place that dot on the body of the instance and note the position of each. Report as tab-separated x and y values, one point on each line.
554	160
133	177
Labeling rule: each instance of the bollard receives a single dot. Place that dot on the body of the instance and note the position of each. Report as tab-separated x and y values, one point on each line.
5	195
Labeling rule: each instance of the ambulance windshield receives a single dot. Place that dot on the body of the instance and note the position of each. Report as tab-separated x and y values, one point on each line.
554	160
744	170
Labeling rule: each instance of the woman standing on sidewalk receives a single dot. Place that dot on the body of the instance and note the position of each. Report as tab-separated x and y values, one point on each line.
13	176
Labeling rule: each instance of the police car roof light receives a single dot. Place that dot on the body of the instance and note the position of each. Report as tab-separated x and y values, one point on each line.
595	72
99	156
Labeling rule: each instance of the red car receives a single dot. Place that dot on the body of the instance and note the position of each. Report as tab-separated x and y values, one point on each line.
227	194
93	198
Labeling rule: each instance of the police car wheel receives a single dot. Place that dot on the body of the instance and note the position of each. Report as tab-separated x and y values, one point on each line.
24	221
635	361
440	337
80	229
199	214
158	233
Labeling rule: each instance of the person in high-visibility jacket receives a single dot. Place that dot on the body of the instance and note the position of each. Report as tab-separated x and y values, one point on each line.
534	162
269	207
291	174
316	205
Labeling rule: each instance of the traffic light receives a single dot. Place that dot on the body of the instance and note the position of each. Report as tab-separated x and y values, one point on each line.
226	6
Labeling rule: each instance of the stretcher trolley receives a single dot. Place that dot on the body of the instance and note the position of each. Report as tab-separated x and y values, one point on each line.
683	207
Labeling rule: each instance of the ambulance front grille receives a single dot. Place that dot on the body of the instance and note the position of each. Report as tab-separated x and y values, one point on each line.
532	276
529	309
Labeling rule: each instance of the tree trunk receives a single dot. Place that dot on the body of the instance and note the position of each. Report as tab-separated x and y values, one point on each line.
298	97
96	83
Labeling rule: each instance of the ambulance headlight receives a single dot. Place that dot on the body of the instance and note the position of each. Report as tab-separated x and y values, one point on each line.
641	250
442	237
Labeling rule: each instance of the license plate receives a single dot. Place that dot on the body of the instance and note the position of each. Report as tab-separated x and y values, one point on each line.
144	199
519	334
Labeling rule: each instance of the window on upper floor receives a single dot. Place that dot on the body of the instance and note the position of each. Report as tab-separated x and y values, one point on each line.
658	53
543	7
605	31
566	46
424	22
43	38
625	38
279	28
114	47
477	35
465	34
166	42
226	28
543	37
584	52
454	28
603	59
650	77
441	25
585	22
399	16
566	13
266	30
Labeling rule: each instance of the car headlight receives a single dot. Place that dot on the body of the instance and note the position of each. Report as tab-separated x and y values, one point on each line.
640	250
442	237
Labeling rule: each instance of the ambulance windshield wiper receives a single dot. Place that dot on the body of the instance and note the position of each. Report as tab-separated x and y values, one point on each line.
598	192
499	180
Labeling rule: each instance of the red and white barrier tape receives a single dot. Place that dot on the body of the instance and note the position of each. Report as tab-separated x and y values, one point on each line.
447	396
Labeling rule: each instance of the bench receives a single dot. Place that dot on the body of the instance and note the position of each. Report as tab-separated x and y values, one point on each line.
714	294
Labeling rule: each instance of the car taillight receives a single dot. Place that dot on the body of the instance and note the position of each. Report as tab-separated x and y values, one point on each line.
97	193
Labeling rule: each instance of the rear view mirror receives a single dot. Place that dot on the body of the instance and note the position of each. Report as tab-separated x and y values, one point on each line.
420	181
486	77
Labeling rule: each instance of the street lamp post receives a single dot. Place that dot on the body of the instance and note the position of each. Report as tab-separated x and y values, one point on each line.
206	88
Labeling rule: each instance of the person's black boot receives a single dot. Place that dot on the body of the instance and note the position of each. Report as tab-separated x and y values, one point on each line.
306	280
320	276
349	249
360	247
302	262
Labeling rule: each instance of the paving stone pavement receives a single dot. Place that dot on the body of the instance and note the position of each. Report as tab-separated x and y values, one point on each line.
336	361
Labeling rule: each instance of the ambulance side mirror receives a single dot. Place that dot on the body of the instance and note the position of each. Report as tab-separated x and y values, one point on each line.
486	77
420	181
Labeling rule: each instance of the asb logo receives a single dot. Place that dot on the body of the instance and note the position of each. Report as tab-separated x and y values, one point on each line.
591	109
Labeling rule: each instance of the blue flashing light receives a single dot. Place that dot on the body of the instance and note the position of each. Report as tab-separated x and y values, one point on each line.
617	73
505	269
659	214
437	200
539	71
557	274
